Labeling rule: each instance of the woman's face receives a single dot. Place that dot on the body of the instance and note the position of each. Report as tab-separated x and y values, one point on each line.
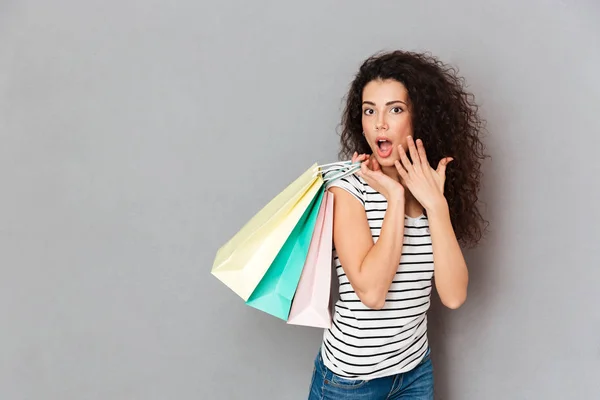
386	120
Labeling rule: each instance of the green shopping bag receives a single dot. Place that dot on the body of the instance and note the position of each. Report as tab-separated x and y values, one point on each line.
275	291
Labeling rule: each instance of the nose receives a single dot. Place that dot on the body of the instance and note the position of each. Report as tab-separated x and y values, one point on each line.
380	123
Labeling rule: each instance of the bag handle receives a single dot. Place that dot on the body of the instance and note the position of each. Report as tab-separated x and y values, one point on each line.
345	167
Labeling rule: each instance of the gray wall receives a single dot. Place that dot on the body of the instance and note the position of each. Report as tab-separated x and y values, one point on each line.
138	136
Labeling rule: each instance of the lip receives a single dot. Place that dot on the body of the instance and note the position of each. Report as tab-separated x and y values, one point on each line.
383	138
384	154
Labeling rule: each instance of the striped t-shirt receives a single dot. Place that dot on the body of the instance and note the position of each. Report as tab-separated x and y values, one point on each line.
364	343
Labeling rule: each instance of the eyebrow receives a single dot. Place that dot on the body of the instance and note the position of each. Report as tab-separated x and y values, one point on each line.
387	104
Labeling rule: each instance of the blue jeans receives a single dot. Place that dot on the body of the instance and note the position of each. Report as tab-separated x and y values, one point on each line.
412	385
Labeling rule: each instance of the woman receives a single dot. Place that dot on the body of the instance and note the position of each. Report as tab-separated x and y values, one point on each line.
415	129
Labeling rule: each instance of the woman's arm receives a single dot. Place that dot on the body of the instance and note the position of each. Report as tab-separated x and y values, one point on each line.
369	267
450	268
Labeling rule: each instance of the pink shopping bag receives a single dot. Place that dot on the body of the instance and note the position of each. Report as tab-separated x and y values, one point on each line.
311	303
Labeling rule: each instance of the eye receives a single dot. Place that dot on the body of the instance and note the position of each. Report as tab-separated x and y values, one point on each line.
368	111
396	110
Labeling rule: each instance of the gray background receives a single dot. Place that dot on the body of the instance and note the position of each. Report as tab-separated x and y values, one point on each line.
138	136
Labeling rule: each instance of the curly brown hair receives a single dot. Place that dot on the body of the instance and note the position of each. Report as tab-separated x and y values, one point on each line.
444	116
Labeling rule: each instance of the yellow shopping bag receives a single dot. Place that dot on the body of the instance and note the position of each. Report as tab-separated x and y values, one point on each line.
242	262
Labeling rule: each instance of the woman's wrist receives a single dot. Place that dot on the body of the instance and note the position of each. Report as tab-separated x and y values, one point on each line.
395	196
438	207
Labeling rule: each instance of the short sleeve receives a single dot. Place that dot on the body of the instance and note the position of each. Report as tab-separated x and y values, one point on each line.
349	183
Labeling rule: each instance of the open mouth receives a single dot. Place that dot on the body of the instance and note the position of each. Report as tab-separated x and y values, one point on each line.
384	147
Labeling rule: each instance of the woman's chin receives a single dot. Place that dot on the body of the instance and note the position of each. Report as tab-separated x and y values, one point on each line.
387	161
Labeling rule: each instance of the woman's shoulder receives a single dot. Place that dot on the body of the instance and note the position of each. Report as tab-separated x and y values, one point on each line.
353	184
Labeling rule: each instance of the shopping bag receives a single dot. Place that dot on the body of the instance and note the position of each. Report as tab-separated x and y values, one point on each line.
243	261
276	289
311	303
